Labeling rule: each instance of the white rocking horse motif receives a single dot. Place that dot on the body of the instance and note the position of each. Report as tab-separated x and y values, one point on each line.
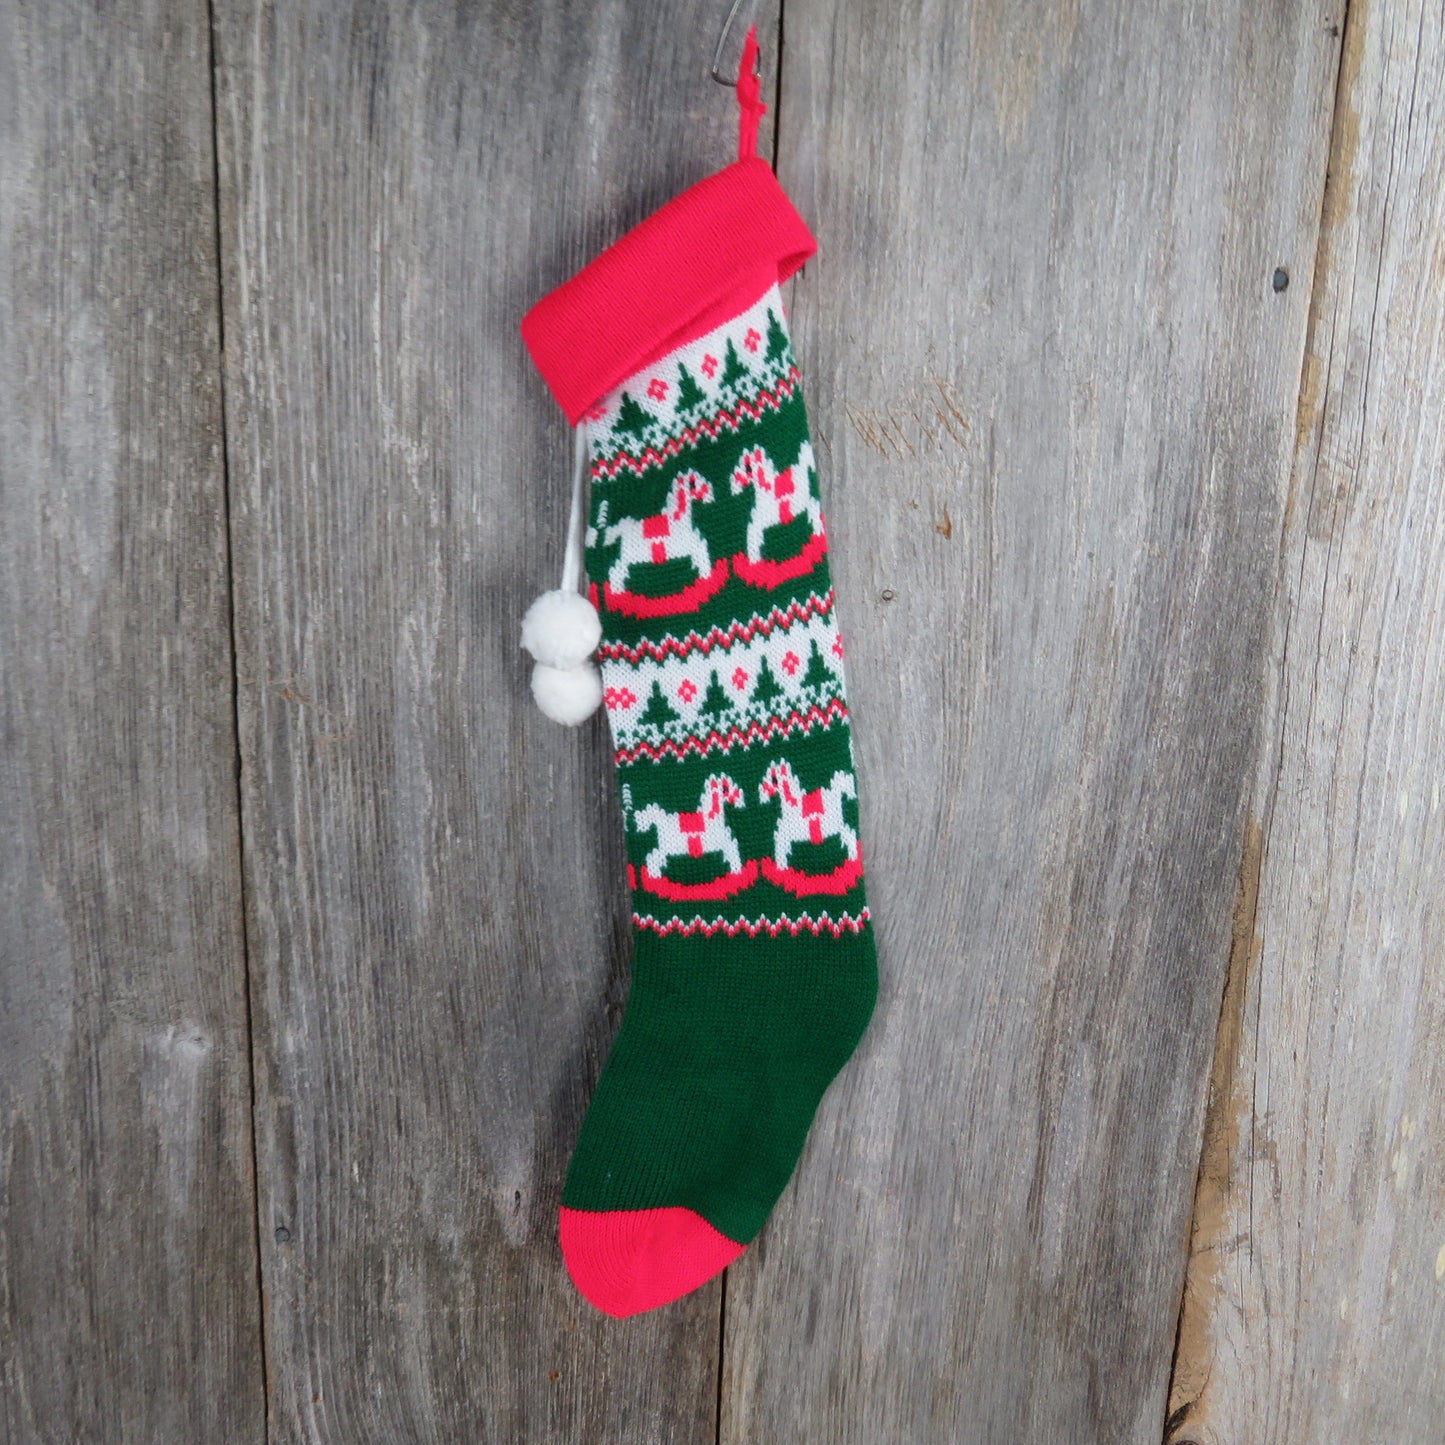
810	817
778	497
691	835
666	537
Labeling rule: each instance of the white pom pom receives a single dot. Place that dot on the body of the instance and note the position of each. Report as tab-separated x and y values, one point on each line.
567	694
561	629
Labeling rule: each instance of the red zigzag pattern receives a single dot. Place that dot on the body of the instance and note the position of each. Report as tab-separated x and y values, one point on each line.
805	923
754	732
760	626
689	436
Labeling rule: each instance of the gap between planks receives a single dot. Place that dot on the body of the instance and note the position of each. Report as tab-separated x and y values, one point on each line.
243	890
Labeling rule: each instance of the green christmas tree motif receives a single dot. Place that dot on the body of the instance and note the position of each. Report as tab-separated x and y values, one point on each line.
689	393
633	419
777	351
734	372
659	712
819	674
768	687
715	701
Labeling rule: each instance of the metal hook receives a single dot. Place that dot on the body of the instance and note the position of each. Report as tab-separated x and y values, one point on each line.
721	41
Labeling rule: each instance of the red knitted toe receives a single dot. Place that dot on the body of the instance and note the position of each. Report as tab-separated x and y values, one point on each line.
625	1261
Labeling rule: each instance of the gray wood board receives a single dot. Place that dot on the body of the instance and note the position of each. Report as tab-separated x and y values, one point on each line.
1054	391
127	1246
1315	1307
438	917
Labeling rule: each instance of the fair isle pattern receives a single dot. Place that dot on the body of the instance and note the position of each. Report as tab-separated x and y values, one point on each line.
769	677
732	375
703	743
726	419
740	631
774	928
722	662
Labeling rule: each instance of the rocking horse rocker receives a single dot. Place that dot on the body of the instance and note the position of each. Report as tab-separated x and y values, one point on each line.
810	818
779	499
692	835
669	536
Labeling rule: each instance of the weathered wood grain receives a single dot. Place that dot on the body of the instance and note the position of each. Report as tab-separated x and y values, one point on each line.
128	1293
1126	645
438	924
1055	392
1315	1307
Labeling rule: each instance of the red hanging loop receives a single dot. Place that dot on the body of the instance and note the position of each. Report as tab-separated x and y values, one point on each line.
750	98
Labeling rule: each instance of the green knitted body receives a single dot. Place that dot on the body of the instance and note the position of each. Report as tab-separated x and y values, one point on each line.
754	973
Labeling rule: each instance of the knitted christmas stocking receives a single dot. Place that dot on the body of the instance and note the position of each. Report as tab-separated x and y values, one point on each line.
721	669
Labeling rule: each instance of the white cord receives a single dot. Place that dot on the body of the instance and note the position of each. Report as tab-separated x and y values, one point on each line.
561	629
572	557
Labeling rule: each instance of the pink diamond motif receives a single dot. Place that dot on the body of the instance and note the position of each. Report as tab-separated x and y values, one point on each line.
751	339
740	679
709	365
688	690
657	388
619	697
791	663
838	645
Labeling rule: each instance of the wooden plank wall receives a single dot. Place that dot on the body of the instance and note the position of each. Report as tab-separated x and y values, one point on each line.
1138	551
127	1210
1316	1302
437	927
1056	510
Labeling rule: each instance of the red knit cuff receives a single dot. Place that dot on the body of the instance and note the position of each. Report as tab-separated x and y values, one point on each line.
687	268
